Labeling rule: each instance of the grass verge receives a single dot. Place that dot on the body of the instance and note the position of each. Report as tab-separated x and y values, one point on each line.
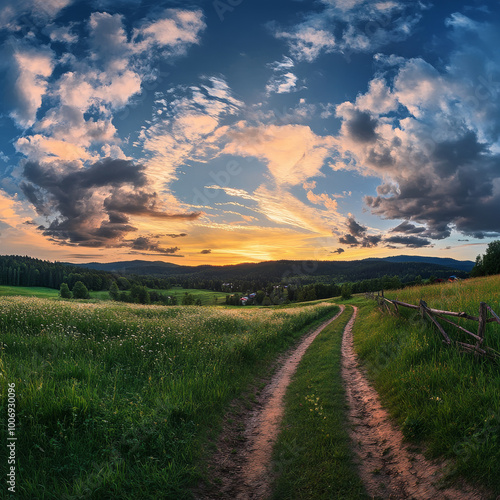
441	398
312	456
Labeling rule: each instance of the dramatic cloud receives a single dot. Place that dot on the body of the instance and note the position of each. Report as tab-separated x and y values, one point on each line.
27	72
144	244
207	251
293	153
408	228
92	206
357	236
439	154
76	175
338	251
353	26
408	241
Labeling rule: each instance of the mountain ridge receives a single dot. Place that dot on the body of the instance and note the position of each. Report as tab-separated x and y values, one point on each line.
283	269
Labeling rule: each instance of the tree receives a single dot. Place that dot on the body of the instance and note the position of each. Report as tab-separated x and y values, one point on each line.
478	269
64	291
266	301
140	294
114	291
80	291
346	291
491	259
123	283
188	299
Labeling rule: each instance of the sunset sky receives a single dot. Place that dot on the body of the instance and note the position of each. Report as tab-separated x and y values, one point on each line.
231	131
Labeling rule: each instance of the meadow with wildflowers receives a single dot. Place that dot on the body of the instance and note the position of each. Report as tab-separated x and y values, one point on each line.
443	398
116	401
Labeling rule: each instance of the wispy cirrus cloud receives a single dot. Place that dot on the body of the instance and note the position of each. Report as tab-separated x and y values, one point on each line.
293	153
350	26
186	125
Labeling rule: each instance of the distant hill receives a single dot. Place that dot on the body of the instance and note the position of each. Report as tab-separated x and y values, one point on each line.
462	265
133	266
405	266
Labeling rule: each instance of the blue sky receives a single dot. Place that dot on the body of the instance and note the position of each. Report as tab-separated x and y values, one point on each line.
231	131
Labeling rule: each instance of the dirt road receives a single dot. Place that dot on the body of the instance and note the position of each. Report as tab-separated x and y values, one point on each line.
388	466
241	462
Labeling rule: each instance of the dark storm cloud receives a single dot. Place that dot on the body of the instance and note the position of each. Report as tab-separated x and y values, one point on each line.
408	241
361	127
145	245
357	236
408	228
140	203
349	239
354	228
436	150
454	191
91	207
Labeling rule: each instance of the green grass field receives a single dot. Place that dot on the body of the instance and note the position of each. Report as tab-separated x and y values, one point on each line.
116	401
207	297
28	291
443	398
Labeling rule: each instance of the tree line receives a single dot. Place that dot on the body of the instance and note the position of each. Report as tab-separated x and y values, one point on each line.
489	263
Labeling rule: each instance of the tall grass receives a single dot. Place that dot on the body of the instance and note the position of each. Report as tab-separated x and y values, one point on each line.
114	401
443	398
460	296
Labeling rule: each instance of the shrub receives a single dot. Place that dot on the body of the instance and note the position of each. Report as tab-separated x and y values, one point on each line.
64	291
80	291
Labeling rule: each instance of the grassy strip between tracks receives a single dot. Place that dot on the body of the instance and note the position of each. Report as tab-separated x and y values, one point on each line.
313	457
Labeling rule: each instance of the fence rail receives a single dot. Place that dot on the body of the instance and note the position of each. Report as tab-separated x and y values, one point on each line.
437	314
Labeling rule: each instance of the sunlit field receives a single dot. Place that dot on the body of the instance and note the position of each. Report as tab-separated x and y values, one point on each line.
442	397
464	295
116	401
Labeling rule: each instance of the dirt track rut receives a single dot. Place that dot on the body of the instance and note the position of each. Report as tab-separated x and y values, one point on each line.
387	465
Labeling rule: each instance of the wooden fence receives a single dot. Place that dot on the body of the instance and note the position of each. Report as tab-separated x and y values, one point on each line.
436	315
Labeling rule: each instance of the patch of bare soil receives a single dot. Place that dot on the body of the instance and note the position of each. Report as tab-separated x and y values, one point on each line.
388	466
239	469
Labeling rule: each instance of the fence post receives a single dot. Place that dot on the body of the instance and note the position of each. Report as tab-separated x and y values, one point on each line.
483	315
423	307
